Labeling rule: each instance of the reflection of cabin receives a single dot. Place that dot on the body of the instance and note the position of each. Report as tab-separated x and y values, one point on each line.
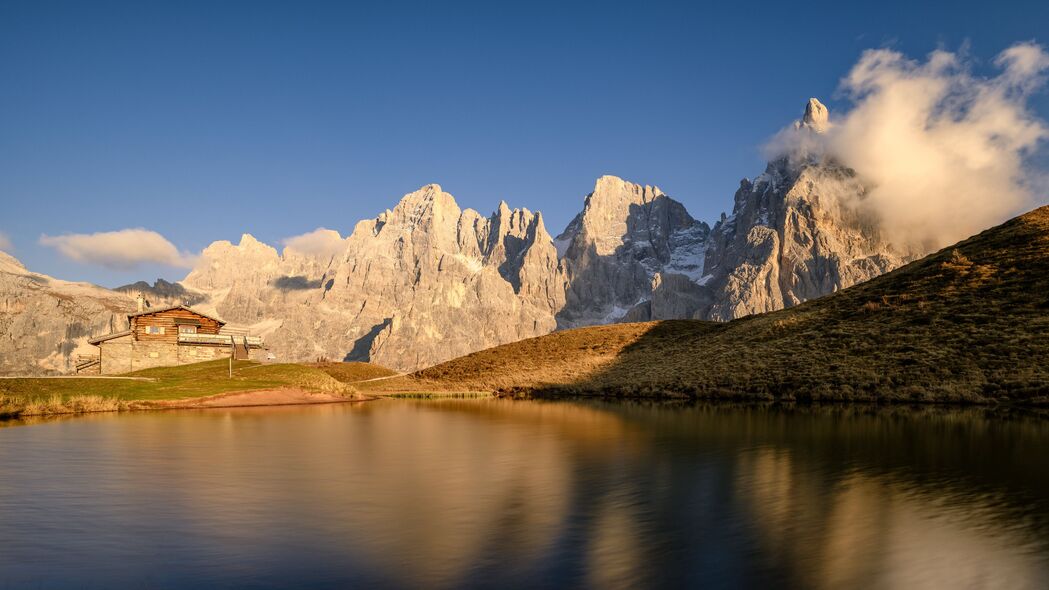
168	336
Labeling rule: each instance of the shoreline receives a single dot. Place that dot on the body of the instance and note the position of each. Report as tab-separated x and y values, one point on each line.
294	396
277	396
259	398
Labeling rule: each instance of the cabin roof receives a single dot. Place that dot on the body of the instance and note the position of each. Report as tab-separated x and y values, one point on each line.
173	307
100	339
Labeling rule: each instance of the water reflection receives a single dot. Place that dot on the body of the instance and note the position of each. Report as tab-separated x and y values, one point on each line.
516	494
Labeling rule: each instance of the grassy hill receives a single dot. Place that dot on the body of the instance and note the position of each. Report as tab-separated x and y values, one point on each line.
967	324
350	372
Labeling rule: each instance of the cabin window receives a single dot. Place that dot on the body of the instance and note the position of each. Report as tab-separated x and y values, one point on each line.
184	329
154	329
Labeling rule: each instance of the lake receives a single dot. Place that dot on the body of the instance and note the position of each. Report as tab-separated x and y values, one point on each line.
497	493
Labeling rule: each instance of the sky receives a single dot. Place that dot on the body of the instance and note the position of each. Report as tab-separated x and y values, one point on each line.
203	121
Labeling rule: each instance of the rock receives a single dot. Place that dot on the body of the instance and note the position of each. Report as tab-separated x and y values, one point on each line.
45	322
816	116
161	293
422	283
625	236
794	235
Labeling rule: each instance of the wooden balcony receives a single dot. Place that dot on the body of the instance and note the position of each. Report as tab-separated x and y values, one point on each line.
220	340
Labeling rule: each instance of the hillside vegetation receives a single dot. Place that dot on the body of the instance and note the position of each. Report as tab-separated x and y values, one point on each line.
350	372
967	324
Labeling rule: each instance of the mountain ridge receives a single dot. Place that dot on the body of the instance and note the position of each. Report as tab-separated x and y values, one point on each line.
964	324
427	281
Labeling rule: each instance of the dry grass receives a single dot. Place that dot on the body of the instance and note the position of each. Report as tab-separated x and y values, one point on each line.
967	324
350	372
542	361
58	404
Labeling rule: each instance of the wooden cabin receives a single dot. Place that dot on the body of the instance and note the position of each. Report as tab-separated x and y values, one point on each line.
167	336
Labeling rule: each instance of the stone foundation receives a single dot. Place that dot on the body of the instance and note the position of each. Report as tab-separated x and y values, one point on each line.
123	355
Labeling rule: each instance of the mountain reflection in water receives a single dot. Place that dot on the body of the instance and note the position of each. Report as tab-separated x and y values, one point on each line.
491	493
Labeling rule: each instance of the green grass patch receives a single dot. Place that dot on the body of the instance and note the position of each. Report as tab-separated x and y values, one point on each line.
37	396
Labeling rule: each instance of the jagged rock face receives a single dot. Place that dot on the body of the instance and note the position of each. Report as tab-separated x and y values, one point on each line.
794	234
161	293
247	282
816	117
422	283
45	322
625	237
427	281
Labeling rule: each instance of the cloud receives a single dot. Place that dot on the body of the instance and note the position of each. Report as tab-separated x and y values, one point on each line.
945	153
319	243
5	243
124	249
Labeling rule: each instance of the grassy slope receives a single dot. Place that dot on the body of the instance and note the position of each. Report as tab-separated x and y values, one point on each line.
32	396
350	372
969	323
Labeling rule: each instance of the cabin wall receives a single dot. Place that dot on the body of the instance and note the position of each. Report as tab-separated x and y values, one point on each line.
188	353
146	355
123	355
166	320
115	355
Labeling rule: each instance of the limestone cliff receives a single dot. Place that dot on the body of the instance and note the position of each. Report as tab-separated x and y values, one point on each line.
792	236
45	322
624	240
418	284
796	232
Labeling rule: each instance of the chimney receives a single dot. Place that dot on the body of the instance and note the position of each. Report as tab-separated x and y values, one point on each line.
141	301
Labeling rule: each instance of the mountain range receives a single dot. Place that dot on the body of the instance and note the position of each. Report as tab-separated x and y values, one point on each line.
427	281
965	324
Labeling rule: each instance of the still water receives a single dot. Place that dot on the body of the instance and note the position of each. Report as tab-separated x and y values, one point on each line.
491	493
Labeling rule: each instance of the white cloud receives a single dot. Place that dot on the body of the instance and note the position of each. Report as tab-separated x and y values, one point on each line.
944	152
124	249
319	243
5	243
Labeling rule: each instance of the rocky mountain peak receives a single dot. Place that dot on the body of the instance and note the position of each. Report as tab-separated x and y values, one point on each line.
612	190
222	264
161	293
249	241
427	208
626	235
794	235
425	198
612	213
816	116
504	209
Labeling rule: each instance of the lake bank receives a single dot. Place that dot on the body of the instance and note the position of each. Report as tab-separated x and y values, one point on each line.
56	405
414	386
207	384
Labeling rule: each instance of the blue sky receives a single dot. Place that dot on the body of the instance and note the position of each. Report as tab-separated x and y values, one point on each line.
202	121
